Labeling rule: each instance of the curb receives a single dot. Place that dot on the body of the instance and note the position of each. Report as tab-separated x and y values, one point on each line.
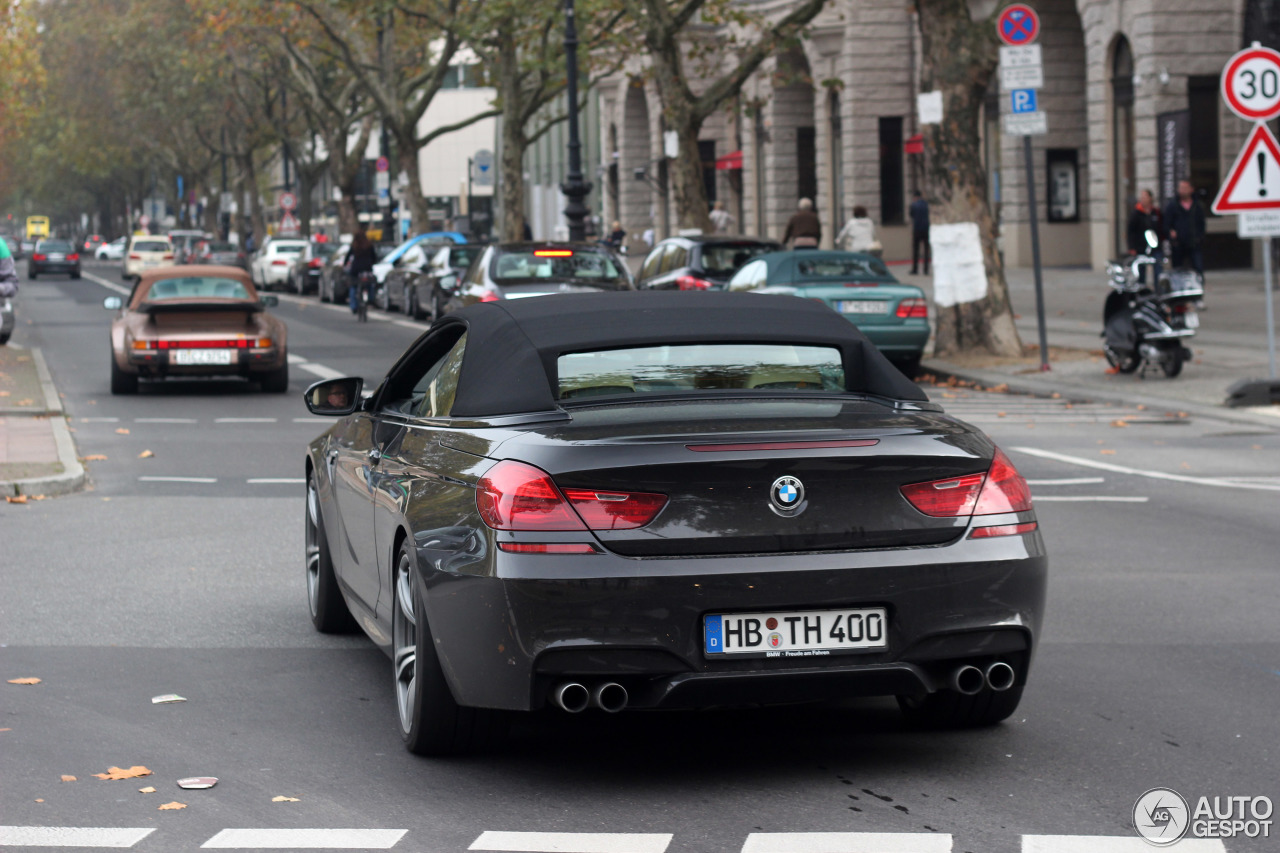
72	477
1086	394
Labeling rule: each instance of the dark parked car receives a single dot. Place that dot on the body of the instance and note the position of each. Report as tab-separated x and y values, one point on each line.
54	256
308	267
661	500
334	284
698	263
431	288
520	270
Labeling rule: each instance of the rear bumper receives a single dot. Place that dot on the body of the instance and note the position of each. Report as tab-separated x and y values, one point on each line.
43	267
507	640
900	340
158	364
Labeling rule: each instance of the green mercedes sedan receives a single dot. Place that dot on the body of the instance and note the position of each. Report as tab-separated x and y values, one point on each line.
858	286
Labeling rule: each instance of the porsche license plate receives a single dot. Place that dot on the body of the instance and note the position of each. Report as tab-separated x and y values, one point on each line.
803	633
863	306
202	356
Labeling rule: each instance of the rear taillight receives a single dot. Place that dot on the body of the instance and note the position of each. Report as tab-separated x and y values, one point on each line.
168	256
615	510
911	309
279	263
517	496
1180	308
74	256
1000	490
315	263
692	282
488	296
133	256
38	257
548	547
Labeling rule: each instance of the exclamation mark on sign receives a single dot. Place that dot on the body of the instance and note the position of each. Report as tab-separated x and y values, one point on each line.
1262	174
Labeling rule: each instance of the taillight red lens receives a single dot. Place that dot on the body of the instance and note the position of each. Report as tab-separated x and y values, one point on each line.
692	282
1005	490
134	257
168	256
74	256
913	309
37	257
548	547
315	263
1003	530
516	496
279	263
1000	490
488	296
615	510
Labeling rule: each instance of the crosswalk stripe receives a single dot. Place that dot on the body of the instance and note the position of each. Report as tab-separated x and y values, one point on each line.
847	842
72	836
315	839
177	479
1111	844
573	842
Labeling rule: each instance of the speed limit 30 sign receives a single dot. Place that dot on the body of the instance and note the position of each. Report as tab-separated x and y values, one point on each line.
1251	83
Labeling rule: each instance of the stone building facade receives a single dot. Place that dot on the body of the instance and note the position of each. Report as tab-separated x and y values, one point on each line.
834	119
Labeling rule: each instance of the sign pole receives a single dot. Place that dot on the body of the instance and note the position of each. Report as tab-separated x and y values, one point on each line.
1035	253
1271	312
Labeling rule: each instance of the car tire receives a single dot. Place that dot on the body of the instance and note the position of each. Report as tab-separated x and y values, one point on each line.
413	309
908	367
75	275
31	274
329	612
122	382
382	299
437	304
950	709
431	721
276	381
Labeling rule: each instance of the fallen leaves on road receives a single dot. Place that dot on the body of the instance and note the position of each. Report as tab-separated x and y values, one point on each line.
1055	395
26	402
1141	408
96	457
6	730
1120	422
1001	415
146	454
66	778
285	800
1184	465
134	772
147	790
1107	452
122	431
24	681
5	393
168	807
19	499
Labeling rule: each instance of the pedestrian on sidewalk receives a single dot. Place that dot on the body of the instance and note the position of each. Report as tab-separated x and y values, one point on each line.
919	213
1145	217
804	231
859	234
721	218
1184	217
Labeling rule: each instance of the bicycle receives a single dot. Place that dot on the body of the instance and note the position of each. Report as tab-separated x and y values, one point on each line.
364	287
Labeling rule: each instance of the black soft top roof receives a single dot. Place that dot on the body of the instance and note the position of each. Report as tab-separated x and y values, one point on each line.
510	365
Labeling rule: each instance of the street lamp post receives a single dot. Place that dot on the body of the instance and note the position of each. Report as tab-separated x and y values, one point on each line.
575	188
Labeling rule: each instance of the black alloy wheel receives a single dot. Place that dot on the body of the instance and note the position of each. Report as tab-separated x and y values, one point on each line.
329	611
1172	363
412	308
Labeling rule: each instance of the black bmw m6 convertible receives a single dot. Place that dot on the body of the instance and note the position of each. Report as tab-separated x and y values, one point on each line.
666	500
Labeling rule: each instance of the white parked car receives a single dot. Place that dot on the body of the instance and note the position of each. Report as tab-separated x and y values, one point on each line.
145	253
113	251
270	266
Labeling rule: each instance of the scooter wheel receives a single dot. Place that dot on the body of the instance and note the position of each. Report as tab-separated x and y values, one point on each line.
1125	363
1172	366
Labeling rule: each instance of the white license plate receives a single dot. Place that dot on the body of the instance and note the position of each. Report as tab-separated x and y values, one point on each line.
1191	319
803	633
202	356
862	306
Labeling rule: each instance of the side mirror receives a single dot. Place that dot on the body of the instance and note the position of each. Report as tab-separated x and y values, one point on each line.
334	397
1152	240
270	301
113	303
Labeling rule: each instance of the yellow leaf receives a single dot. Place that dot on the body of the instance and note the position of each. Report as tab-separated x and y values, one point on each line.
146	454
20	499
285	800
147	790
168	807
122	431
26	402
96	457
66	778
1120	423
133	772
24	681
1107	452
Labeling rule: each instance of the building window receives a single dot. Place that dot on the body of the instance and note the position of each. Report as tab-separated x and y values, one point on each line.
806	163
707	154
891	177
1202	101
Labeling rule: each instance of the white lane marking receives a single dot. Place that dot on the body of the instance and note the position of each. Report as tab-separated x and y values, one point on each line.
321	371
166	421
847	842
312	420
177	479
294	358
124	291
292	839
1090	499
1068	481
245	420
1111	844
99	420
72	836
409	324
258	481
573	842
1138	472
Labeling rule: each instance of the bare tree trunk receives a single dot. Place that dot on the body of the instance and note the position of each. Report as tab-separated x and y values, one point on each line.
685	175
960	58
514	142
407	151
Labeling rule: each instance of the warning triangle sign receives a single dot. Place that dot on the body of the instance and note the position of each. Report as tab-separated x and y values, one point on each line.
289	223
1254	181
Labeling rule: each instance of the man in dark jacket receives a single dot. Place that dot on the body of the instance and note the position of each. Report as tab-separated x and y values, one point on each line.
1144	217
1184	219
804	231
919	213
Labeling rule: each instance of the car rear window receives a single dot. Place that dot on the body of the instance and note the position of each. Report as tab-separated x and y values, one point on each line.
700	368
196	287
852	267
287	248
728	258
222	247
152	246
461	257
533	265
55	246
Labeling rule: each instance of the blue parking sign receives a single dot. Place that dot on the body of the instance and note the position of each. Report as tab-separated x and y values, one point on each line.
1023	100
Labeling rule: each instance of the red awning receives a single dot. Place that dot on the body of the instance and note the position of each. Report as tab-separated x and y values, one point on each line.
914	145
729	162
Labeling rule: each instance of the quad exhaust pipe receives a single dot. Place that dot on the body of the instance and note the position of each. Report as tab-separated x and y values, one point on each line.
1000	676
573	697
970	680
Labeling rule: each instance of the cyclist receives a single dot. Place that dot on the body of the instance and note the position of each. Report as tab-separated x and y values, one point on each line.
360	259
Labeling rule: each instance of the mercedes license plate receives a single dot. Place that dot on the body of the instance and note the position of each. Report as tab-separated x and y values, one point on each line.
863	306
202	356
805	633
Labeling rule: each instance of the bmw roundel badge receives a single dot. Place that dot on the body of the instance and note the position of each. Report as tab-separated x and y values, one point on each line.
787	494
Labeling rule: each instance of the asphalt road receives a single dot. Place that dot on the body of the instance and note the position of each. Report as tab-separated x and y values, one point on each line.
1159	666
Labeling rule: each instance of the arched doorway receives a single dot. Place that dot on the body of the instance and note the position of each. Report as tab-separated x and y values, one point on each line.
792	172
1124	163
635	196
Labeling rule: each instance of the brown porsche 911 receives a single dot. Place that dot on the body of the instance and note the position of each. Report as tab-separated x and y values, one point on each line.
196	321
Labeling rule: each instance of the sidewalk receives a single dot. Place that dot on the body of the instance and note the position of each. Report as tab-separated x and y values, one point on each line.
37	454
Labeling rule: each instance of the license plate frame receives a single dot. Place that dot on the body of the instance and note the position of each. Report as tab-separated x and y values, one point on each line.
788	637
203	357
863	306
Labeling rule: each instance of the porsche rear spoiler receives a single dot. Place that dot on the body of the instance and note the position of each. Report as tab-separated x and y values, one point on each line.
153	308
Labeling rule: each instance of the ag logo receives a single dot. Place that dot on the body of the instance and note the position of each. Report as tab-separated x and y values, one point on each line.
787	496
1161	816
